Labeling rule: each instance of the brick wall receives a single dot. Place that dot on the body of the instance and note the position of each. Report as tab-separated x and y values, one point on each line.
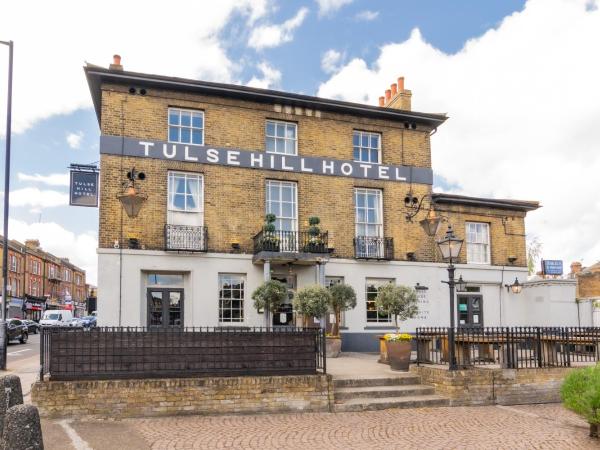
494	386
162	397
234	204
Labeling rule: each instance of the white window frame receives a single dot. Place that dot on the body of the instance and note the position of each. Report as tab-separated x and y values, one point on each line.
13	263
360	147
179	126
472	255
172	175
269	201
283	138
378	283
238	276
378	224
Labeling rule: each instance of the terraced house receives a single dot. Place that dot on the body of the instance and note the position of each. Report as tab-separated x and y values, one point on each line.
189	170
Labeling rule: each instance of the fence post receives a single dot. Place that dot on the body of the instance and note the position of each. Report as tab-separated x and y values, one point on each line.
451	350
324	349
418	346
567	345
539	347
41	353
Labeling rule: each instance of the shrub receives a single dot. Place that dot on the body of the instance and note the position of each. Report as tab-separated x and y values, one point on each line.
343	298
580	393
269	295
397	301
312	301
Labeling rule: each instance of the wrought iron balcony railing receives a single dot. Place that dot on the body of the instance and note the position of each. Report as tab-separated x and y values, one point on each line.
290	241
370	247
186	238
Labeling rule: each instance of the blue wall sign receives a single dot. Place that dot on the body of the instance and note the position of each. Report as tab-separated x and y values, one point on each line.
552	267
84	188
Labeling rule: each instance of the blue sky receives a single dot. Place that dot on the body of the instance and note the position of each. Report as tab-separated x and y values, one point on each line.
282	45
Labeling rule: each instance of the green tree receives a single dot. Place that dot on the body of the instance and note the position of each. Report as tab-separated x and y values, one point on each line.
580	393
534	251
397	301
312	301
343	298
268	296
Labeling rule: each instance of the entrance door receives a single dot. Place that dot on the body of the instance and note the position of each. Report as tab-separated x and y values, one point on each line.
284	316
470	310
165	308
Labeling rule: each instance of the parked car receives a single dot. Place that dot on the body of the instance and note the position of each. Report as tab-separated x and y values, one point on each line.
17	330
89	321
74	323
32	326
56	318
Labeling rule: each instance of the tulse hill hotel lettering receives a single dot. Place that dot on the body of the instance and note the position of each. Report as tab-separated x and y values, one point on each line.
189	169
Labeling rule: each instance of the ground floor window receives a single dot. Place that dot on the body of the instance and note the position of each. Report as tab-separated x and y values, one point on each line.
165	300
231	297
371	290
470	310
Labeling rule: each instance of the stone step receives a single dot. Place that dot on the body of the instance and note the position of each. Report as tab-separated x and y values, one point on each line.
349	393
396	380
371	404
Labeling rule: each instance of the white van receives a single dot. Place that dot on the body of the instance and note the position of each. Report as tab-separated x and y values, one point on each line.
56	318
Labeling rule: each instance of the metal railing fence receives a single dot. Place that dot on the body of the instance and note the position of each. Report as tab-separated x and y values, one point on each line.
290	241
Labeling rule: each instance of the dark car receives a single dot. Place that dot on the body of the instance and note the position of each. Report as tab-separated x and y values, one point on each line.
32	327
17	330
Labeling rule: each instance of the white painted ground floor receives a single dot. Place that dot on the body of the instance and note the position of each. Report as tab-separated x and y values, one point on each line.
142	288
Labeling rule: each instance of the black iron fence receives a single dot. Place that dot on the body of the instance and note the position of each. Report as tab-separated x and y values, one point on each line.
368	247
509	347
186	238
290	241
124	352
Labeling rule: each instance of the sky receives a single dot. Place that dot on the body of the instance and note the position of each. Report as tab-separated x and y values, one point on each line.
518	80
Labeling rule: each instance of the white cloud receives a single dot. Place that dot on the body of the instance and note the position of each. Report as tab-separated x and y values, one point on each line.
74	139
79	248
327	7
331	60
271	77
53	179
267	36
142	32
367	15
38	198
523	107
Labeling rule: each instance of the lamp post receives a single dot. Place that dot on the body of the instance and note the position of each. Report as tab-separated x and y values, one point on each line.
3	324
450	247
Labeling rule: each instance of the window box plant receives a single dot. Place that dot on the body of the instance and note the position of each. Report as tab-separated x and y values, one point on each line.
315	243
270	241
342	298
401	303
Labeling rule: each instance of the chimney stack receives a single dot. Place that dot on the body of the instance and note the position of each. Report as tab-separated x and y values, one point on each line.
397	97
116	64
575	268
32	243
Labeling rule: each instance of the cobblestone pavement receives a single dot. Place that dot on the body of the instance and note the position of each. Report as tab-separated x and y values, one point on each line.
487	427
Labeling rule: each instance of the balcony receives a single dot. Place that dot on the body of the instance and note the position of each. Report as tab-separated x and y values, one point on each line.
186	238
290	246
369	247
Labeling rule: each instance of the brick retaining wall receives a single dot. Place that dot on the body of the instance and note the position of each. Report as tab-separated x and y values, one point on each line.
177	396
494	386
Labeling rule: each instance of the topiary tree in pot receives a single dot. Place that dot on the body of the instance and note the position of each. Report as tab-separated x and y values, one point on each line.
268	297
401	303
342	298
270	240
315	238
312	301
580	393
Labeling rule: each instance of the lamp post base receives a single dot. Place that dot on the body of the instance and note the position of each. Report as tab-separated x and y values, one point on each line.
3	344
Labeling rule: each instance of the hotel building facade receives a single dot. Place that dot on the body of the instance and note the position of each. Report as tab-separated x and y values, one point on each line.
211	160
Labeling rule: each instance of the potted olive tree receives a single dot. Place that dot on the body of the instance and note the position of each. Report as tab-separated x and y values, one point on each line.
315	242
401	303
268	297
270	240
580	393
312	301
342	298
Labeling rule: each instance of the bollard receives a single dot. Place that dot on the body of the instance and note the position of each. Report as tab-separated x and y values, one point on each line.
11	394
22	429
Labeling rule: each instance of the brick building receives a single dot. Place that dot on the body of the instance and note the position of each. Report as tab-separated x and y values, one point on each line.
588	288
216	158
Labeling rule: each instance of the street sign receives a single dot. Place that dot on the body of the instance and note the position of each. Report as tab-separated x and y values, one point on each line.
552	267
84	186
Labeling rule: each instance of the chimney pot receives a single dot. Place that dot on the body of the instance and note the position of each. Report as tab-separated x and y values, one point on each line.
400	84
394	87
575	267
382	101
117	60
388	95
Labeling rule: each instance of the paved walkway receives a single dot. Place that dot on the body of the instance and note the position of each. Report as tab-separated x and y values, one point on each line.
488	427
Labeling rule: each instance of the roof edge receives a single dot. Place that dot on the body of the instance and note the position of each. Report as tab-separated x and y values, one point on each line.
518	205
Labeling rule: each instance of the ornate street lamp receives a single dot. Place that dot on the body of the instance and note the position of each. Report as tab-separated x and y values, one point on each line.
516	287
131	199
450	247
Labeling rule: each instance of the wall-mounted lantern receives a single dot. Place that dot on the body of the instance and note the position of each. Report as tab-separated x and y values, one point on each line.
516	287
131	199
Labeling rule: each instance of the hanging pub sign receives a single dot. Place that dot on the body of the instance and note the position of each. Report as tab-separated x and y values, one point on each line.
552	267
84	185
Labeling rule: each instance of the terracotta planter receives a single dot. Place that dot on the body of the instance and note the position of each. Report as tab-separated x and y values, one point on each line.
398	354
333	347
